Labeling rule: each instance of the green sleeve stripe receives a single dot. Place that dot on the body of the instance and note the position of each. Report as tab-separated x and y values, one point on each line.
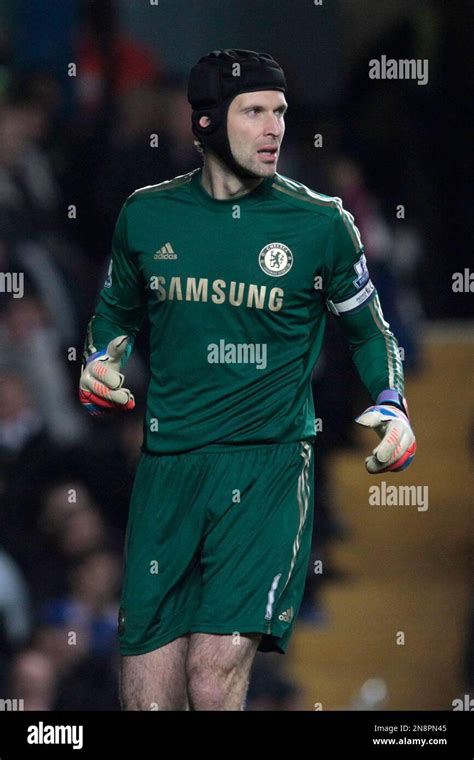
295	190
395	368
298	190
351	228
168	184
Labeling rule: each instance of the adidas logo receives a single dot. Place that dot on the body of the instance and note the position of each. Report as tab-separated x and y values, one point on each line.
166	252
286	616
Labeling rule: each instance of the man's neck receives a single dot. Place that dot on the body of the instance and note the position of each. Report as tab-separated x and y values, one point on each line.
222	184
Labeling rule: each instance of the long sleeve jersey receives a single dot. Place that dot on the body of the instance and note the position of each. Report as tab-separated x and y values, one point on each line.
237	293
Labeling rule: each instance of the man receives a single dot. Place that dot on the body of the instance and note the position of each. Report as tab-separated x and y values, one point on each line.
235	267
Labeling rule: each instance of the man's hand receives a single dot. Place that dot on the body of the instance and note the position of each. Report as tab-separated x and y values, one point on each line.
398	445
100	387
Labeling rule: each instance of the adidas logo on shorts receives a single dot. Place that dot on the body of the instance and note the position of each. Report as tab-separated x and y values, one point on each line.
287	616
166	252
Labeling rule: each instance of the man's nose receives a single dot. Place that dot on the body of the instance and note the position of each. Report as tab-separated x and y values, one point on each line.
273	126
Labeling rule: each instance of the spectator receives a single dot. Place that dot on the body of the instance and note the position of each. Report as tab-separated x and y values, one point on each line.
33	679
31	342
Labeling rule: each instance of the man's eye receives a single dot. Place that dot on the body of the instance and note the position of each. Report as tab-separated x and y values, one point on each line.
280	111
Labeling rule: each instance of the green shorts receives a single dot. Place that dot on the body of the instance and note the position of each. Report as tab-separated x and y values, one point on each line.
217	542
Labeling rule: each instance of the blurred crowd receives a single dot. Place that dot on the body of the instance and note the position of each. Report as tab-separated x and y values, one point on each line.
70	154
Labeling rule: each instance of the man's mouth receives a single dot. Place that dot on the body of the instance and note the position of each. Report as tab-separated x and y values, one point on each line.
268	152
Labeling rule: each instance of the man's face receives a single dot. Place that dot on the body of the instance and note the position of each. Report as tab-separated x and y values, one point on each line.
256	125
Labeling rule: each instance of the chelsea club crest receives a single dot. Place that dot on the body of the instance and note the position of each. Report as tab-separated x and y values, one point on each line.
275	259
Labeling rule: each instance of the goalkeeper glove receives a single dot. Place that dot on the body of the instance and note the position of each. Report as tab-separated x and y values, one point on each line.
390	420
100	386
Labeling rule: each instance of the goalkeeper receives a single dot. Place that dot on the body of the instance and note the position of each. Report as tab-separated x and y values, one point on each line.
236	267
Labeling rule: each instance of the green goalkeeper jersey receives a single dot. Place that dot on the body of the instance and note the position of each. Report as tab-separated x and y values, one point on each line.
237	293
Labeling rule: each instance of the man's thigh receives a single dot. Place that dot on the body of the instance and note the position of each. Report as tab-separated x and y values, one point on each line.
156	680
218	670
221	653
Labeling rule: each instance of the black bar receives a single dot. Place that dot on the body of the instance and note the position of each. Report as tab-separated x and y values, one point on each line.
311	735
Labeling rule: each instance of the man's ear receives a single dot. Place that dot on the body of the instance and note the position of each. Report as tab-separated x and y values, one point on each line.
206	123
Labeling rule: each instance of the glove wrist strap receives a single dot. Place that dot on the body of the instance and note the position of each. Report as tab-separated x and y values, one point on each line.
392	397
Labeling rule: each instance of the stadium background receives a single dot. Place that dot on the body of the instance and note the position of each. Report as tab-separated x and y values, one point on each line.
388	616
